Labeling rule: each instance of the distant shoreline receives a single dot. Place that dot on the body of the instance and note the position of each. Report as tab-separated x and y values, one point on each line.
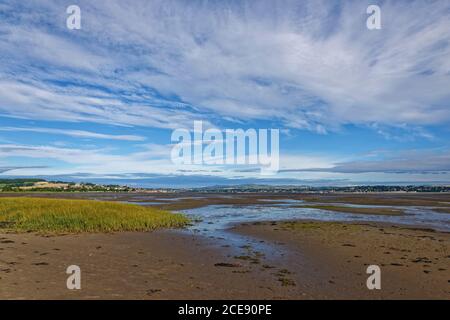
42	185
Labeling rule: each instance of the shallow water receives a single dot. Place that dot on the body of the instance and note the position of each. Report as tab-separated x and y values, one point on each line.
215	219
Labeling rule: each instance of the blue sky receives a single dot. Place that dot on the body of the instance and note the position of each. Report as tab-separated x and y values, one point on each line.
353	105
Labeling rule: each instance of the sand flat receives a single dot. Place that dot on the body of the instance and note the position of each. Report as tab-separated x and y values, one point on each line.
153	265
315	260
415	263
322	261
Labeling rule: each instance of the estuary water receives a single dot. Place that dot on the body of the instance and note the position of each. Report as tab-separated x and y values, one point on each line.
215	218
215	221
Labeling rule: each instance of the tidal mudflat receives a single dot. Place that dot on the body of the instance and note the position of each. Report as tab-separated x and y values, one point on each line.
289	246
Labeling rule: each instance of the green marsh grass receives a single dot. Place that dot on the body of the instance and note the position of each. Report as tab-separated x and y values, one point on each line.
76	216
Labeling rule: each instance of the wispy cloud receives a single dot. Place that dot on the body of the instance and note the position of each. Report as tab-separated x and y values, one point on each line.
79	104
298	66
7	169
150	158
310	64
75	133
423	161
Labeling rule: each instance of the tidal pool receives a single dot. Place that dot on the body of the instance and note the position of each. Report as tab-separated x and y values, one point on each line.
215	221
217	218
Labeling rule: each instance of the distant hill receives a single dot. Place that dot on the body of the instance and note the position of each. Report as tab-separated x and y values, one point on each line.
41	185
298	189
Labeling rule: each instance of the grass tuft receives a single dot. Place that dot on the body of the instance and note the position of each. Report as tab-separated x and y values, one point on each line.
76	216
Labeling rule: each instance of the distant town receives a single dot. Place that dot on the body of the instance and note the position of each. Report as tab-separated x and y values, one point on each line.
41	185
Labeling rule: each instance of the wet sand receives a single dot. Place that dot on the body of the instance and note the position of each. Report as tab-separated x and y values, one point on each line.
415	263
187	200
319	261
156	265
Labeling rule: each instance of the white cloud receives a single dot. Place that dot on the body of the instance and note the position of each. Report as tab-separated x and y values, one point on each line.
151	158
75	133
310	64
413	161
42	102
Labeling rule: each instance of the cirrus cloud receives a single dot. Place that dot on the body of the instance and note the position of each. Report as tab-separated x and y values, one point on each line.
311	65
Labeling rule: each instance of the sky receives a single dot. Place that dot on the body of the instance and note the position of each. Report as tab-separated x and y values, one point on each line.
100	103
